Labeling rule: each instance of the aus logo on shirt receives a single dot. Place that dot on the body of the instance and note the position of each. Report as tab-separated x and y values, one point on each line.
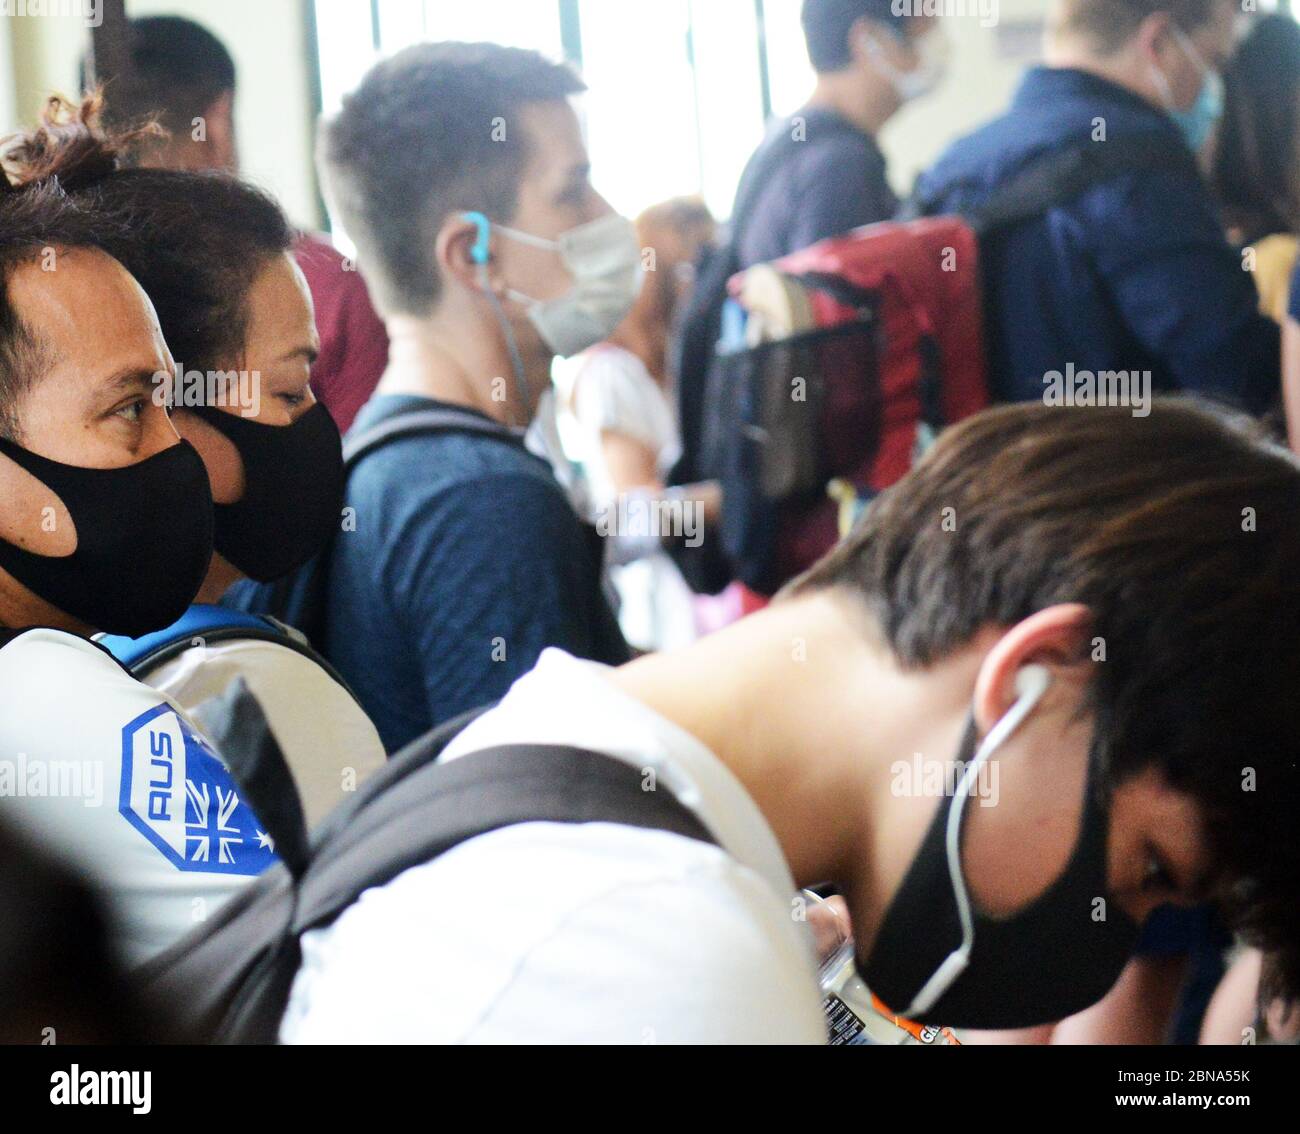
178	795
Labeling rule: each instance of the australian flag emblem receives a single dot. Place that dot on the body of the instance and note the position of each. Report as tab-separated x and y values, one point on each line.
178	794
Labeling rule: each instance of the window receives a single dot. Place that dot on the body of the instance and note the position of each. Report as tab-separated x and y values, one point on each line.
679	89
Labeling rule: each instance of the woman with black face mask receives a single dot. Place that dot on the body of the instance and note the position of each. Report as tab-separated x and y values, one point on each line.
213	255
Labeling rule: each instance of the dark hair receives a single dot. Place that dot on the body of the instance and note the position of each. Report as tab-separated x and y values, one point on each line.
827	23
1179	532
178	69
1254	171
1110	24
432	130
34	222
194	241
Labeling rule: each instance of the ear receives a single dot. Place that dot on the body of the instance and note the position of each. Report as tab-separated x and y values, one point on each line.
1057	637
219	122
918	27
860	31
1154	36
454	253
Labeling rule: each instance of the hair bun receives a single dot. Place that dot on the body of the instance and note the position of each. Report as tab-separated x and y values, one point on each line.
69	146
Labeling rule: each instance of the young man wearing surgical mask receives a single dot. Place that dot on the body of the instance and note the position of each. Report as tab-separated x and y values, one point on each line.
1008	717
1134	273
460	172
870	62
106	523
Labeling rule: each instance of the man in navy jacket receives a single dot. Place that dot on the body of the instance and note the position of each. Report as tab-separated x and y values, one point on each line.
1135	273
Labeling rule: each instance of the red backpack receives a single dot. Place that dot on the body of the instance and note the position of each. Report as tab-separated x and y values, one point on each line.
886	349
839	364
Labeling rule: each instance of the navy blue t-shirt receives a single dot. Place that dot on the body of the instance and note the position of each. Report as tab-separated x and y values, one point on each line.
467	561
834	180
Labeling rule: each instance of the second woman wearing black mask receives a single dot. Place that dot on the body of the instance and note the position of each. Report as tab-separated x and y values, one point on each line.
213	254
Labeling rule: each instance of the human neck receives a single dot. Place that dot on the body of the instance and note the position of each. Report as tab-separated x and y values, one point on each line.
19	608
808	708
434	357
220	577
1120	69
866	105
648	342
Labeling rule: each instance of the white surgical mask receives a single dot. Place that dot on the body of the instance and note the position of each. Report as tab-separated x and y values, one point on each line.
932	50
604	258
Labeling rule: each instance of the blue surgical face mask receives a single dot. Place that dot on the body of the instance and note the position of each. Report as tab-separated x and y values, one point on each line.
1198	120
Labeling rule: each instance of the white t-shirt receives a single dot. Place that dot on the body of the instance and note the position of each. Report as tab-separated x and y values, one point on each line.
610	389
576	933
112	777
329	743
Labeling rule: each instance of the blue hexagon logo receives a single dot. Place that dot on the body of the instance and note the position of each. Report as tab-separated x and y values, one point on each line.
179	796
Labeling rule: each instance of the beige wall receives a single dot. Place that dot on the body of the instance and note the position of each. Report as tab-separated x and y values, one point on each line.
268	39
984	72
7	114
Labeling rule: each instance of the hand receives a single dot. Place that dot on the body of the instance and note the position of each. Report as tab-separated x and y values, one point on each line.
829	920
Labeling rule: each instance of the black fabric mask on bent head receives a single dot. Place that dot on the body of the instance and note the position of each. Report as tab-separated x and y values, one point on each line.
293	491
144	539
937	959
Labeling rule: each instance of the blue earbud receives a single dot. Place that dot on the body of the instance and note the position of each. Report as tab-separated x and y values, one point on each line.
480	253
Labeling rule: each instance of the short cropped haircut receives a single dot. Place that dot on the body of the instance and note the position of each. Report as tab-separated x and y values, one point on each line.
1110	24
827	23
178	69
1180	532
431	131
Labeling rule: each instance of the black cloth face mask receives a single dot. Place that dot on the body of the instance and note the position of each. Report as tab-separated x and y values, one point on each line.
1043	963
144	539
293	491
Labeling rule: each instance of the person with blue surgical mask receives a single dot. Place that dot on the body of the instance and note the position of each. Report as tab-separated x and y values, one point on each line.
1198	119
1133	273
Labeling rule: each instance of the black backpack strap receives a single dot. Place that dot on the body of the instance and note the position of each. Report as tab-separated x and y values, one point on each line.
441	805
235	723
423	750
256	952
1056	178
